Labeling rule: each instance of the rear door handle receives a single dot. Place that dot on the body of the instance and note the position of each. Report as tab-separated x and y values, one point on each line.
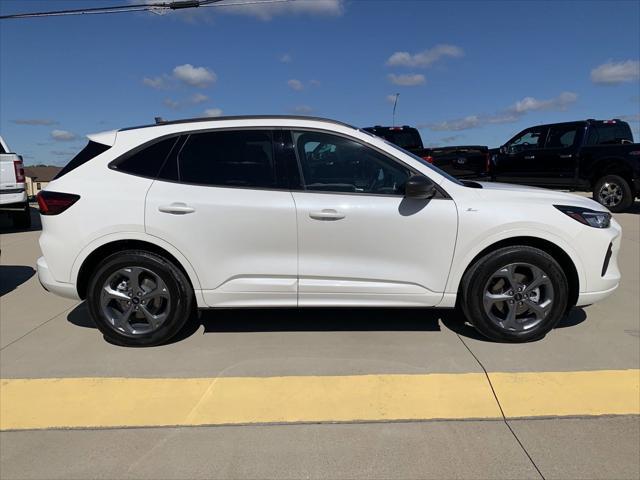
176	208
529	157
327	214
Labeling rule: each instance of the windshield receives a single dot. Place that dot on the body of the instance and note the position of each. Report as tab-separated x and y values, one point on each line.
419	159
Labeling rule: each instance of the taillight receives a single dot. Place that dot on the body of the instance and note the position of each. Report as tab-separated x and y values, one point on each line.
428	158
19	169
53	203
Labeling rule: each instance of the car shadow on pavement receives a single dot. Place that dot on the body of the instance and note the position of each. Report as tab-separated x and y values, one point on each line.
12	276
6	225
325	320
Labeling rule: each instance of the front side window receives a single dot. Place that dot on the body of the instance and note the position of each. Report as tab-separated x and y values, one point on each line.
527	140
337	164
562	136
242	158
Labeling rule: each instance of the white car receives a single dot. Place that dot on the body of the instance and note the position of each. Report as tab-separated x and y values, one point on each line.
149	223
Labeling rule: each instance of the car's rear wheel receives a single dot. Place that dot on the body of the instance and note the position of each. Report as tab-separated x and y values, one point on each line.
516	293
138	298
614	192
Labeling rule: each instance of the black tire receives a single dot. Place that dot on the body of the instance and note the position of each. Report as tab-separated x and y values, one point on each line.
22	219
478	276
178	293
613	183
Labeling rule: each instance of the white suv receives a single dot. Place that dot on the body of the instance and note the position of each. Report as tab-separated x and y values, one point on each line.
151	222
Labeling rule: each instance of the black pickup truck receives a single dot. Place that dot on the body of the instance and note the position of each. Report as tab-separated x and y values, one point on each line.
462	161
595	155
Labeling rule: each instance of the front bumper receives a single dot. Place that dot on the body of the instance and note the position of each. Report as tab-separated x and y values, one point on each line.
603	272
67	290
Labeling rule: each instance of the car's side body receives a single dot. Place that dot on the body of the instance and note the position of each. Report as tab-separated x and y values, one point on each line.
287	246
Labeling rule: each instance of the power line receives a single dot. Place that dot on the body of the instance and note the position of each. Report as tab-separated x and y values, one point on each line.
159	7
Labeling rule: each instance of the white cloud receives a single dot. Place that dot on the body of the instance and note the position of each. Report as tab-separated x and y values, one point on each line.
171	103
213	112
630	118
314	83
472	121
198	98
194	76
295	84
391	98
266	11
612	73
561	102
509	115
187	74
155	82
302	109
34	121
425	58
408	80
286	58
63	135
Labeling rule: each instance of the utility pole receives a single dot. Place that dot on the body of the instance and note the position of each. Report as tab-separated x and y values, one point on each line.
393	123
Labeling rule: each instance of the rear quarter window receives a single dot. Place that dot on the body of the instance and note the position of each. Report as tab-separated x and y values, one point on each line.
147	160
90	151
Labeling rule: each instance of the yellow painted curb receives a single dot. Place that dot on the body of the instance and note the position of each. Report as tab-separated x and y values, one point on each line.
113	402
536	394
146	402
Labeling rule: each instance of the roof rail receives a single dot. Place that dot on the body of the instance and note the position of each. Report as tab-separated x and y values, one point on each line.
160	121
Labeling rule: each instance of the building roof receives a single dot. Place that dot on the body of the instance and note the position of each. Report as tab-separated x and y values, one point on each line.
41	174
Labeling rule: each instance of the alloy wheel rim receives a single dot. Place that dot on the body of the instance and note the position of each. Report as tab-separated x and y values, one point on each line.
610	194
135	301
518	296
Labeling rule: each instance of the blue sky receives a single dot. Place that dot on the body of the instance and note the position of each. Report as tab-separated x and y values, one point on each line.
467	72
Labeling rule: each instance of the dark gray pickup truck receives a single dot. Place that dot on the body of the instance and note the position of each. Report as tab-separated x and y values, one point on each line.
595	155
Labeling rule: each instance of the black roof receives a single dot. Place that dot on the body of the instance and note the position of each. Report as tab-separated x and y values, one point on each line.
239	117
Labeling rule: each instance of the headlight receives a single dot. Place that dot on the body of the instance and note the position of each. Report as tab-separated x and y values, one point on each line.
587	216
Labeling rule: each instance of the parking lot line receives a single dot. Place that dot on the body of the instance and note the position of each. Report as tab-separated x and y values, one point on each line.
144	402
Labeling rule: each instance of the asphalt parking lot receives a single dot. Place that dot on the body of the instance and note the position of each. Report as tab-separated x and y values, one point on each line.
337	393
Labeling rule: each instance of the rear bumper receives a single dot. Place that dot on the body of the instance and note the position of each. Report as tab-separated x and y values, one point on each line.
67	290
13	200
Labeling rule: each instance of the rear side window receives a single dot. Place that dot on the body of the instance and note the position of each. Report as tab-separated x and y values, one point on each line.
562	136
92	150
148	160
242	158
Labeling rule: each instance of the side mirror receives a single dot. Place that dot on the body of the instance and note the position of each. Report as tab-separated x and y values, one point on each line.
419	187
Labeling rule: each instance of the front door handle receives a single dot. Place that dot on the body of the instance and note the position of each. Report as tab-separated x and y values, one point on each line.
568	155
327	214
529	157
176	208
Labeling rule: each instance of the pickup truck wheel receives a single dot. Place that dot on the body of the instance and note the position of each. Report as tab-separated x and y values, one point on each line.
614	192
22	219
514	294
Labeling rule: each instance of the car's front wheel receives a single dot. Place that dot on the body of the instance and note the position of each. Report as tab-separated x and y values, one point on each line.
516	293
138	298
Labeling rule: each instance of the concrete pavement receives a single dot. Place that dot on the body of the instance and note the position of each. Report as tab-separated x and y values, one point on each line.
42	336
